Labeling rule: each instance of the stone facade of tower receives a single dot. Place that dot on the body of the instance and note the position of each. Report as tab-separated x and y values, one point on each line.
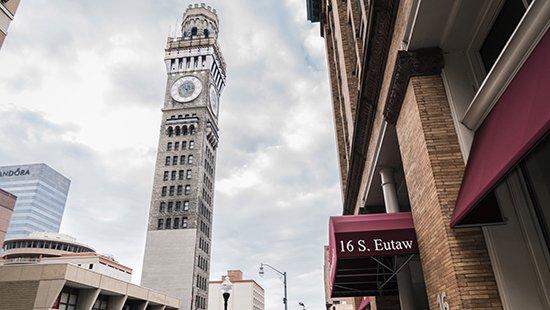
177	250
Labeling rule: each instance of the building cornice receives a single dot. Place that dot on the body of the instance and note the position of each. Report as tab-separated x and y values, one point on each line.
422	62
384	13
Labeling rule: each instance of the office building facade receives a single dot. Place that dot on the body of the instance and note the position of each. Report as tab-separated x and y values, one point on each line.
442	119
41	192
246	294
177	249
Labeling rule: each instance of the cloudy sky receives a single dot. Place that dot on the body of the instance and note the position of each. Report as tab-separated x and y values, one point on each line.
81	86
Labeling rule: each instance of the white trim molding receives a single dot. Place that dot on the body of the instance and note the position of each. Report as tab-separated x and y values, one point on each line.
530	31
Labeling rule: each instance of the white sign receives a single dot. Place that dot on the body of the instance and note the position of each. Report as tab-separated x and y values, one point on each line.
442	301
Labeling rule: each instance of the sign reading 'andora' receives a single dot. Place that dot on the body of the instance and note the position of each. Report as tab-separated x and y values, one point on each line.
16	172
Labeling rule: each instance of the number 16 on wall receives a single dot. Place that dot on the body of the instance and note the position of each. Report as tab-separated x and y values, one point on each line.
442	301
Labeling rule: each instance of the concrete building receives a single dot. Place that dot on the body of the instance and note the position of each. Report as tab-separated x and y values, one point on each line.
69	287
41	195
246	295
177	250
7	13
50	248
442	119
7	203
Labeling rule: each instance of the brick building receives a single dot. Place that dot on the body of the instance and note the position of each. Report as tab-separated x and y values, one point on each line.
7	203
7	13
442	118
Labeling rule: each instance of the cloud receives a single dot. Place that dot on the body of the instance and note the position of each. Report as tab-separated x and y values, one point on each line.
82	85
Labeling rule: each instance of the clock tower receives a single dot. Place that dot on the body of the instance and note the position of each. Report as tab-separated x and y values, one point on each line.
177	250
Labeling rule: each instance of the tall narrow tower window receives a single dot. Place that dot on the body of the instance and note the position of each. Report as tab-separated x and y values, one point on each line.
206	33
194	31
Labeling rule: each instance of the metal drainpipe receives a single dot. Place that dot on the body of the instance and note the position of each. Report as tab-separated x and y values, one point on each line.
404	281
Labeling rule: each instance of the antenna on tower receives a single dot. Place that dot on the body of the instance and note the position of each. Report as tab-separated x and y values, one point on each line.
176	28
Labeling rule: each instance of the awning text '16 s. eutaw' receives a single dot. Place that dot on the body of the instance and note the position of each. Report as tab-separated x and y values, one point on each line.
363	249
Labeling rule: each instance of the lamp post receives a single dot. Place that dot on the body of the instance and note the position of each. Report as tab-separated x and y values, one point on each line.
285	299
226	289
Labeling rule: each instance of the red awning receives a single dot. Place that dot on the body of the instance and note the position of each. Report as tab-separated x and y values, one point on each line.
363	305
363	250
516	123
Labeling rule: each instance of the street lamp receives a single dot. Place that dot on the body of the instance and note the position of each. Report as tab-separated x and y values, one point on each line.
261	272
226	289
302	304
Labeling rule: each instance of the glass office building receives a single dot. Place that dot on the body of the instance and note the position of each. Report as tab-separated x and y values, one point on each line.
41	195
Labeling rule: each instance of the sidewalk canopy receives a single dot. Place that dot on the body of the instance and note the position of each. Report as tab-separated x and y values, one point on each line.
518	121
366	251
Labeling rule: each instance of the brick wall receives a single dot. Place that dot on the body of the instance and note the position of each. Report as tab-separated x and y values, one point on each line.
19	295
454	261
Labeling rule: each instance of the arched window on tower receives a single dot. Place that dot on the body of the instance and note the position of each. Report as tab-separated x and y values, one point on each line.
194	31
184	130
192	130
178	131
170	131
206	33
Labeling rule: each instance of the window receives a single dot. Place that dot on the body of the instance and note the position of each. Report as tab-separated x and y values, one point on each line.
169	146
174	160
160	224
184	145
178	206
191	144
165	178
190	159
506	22
168	223
188	174
176	146
170	205
182	159
167	161
186	205
176	223
180	188
206	33
163	191
178	131
192	130
170	131
101	303
194	31
173	175
187	189
183	222
68	299
171	193
180	175
162	206
537	173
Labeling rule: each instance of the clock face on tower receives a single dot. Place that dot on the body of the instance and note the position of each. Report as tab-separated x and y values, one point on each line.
186	89
214	100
